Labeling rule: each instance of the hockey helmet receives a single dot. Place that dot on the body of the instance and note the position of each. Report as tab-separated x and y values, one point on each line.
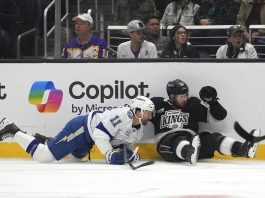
177	87
143	103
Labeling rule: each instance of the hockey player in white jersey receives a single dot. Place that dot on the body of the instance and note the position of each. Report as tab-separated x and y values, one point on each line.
137	47
107	130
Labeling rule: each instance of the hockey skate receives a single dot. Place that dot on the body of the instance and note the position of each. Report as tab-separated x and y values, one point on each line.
249	149
7	129
193	151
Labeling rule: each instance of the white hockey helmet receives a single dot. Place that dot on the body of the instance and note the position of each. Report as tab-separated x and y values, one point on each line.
143	103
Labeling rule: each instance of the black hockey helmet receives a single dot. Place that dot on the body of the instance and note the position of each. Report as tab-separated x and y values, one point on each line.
177	87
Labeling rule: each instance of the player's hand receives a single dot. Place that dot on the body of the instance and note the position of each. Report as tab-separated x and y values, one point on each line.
115	156
208	94
130	156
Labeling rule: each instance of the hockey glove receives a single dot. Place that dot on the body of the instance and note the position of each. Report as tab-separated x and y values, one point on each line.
115	156
132	158
208	94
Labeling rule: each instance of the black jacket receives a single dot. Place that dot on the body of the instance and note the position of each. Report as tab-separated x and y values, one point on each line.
186	51
225	12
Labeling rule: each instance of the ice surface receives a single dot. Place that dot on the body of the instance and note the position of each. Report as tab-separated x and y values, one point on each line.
212	178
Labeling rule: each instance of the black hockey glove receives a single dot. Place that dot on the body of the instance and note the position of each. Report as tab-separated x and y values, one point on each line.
208	94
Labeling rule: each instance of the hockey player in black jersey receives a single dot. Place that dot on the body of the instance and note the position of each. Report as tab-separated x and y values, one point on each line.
177	130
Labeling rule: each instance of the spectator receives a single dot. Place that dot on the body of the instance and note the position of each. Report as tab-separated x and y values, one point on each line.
9	22
86	45
161	6
252	12
178	46
137	47
236	47
180	11
214	12
153	34
127	10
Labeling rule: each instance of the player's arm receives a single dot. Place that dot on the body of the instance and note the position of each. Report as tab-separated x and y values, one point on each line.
102	137
104	132
208	94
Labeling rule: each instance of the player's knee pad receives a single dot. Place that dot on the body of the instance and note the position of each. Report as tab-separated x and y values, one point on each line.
43	154
217	139
210	142
167	145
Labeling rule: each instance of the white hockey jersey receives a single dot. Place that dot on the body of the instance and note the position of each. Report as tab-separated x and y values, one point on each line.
113	127
148	50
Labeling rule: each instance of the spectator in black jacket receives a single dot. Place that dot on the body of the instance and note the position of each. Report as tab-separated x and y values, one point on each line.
217	12
178	45
9	20
214	12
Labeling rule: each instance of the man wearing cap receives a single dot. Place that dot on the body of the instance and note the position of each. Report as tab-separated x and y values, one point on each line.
137	47
86	45
236	47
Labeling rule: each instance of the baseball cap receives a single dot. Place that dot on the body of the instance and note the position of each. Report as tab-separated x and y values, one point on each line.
233	29
135	25
85	17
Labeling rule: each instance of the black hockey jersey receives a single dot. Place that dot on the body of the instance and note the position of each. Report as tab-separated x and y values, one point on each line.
168	116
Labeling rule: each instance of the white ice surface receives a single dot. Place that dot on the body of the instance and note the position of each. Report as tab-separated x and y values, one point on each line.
216	179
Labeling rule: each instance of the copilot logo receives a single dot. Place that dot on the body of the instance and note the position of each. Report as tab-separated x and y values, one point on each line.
37	94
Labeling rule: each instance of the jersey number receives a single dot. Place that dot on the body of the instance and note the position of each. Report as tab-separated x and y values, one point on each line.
115	121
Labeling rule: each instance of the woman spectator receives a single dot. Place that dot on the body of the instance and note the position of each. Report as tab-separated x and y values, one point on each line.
178	45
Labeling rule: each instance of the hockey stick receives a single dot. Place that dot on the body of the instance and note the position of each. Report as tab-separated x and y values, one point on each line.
130	163
247	136
141	165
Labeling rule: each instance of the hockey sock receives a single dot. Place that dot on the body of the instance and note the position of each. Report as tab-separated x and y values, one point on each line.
27	142
226	146
43	154
182	149
32	146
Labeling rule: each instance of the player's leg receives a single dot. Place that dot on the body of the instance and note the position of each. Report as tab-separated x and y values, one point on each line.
73	139
211	142
247	149
80	153
179	146
68	140
31	145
